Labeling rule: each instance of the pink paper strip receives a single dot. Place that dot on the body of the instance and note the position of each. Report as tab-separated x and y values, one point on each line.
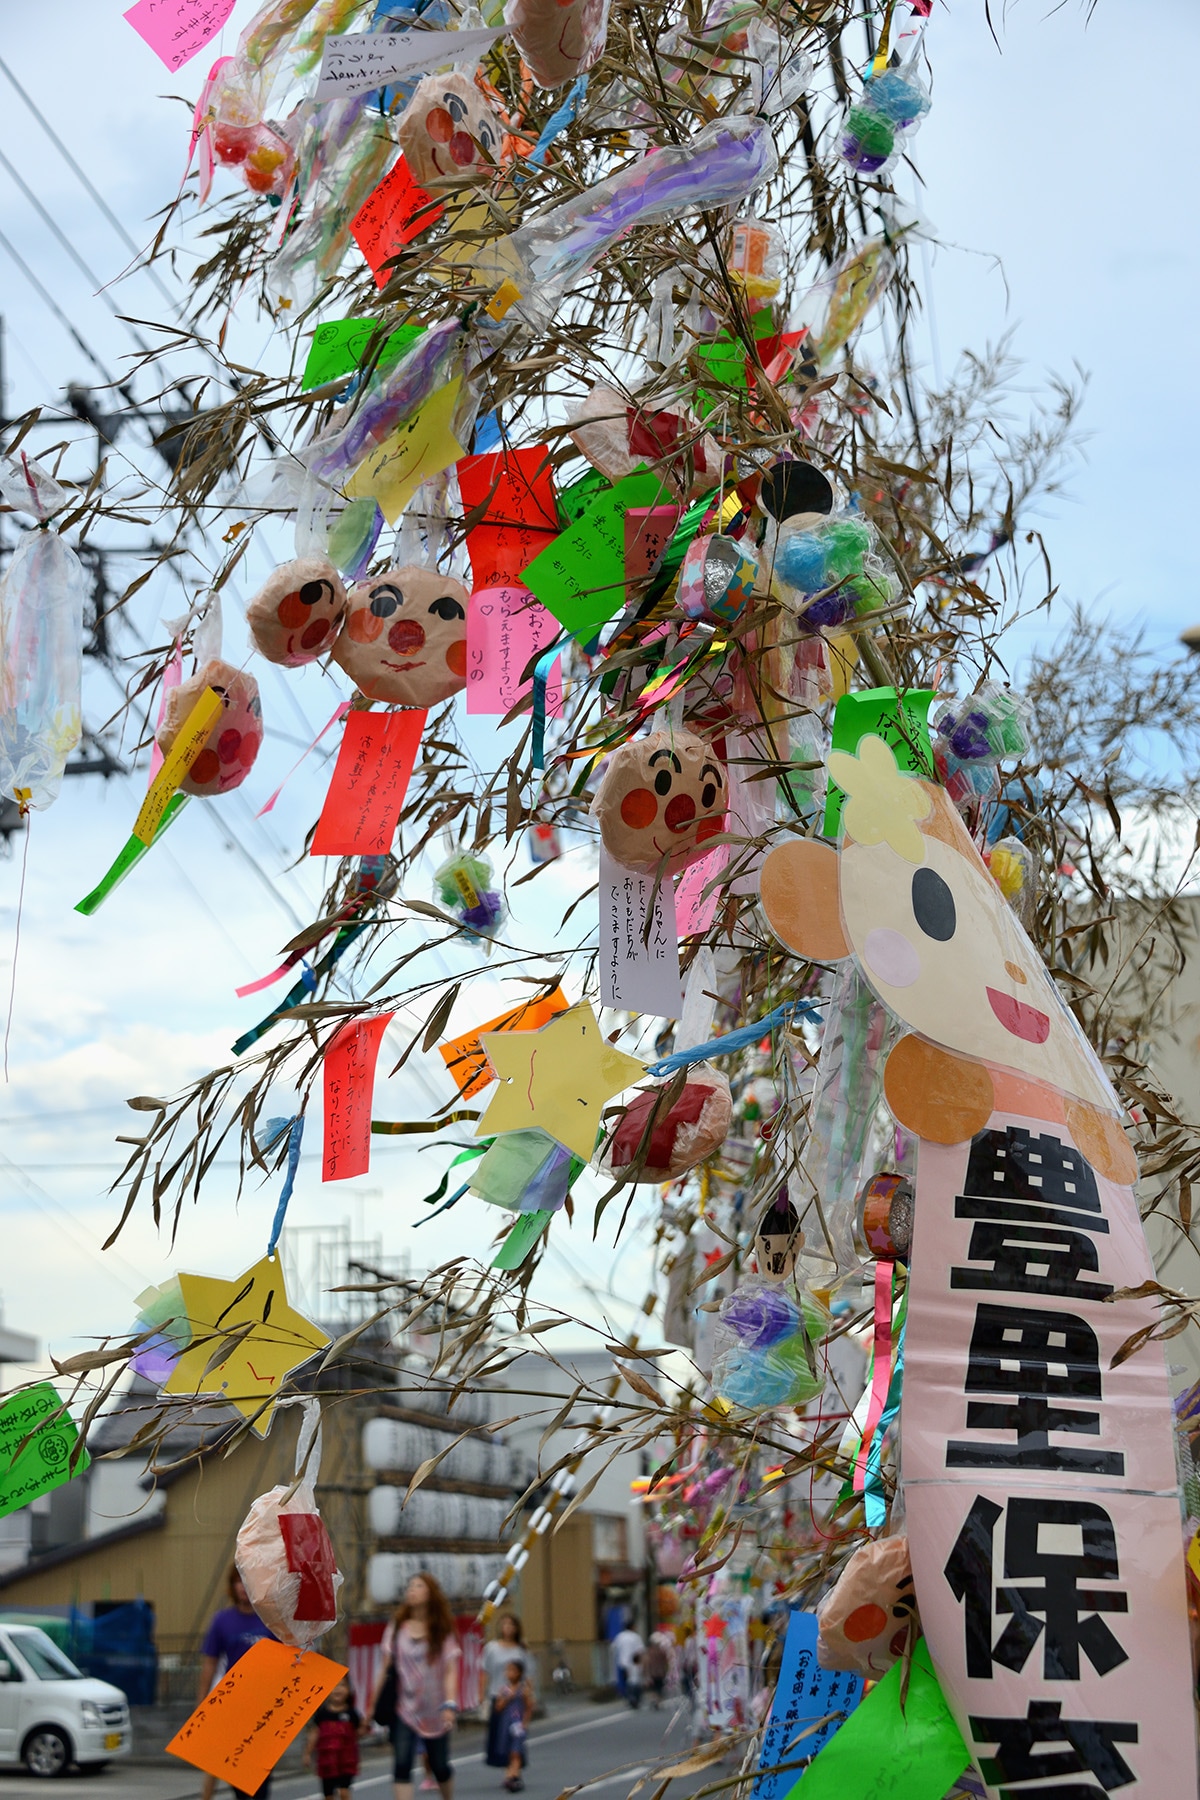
694	909
506	627
341	712
264	981
882	1378
177	30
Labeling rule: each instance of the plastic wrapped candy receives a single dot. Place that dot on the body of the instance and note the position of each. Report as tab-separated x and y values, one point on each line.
1011	865
756	258
716	579
831	562
236	737
449	133
690	1130
892	103
41	665
763	1355
463	883
544	845
405	637
970	737
662	796
286	1560
559	39
844	298
864	1620
298	612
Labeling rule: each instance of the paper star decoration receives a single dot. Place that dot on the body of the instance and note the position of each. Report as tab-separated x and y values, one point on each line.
884	802
248	1333
557	1078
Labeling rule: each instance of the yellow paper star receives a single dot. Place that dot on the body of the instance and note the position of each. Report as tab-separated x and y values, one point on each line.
424	445
883	801
250	1334
557	1078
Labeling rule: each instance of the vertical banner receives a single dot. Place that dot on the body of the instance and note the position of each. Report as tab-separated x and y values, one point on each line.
349	1072
638	971
370	779
1039	1480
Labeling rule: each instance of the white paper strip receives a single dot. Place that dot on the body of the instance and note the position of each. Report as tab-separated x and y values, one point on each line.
363	60
638	976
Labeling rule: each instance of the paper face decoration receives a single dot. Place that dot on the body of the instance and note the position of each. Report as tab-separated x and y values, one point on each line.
245	1340
298	611
405	637
662	796
558	41
910	898
449	133
864	1620
235	739
618	438
286	1561
695	1126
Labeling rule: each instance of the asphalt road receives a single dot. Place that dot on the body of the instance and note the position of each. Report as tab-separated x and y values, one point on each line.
606	1747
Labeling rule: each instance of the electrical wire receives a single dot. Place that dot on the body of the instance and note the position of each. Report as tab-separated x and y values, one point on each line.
48	300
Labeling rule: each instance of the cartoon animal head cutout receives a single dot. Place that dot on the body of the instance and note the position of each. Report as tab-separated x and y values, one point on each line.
662	796
909	897
405	637
449	133
559	39
864	1619
235	739
297	612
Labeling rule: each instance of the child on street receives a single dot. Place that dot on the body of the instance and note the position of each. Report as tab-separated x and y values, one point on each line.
332	1747
513	1707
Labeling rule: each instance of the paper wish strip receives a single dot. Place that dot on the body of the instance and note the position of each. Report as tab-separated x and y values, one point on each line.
241	1729
465	1056
45	1461
392	215
349	1071
506	628
639	971
509	494
177	30
362	60
370	779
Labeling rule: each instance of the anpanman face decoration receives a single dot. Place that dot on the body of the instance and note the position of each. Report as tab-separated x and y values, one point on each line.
405	637
864	1620
449	133
235	739
298	611
662	796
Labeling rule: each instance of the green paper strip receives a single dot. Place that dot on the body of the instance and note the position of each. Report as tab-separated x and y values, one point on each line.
580	577
45	1462
521	1239
129	858
888	1753
902	723
339	346
576	498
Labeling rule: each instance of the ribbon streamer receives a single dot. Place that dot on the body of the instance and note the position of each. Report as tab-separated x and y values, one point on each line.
297	995
541	675
399	1127
882	1374
733	1040
340	713
874	1500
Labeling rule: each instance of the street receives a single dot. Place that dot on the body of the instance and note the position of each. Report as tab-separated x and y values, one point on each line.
607	1747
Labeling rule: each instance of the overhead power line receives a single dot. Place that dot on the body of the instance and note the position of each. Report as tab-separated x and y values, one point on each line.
48	299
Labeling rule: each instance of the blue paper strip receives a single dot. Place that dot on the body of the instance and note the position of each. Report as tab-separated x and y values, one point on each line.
804	1693
295	1134
541	675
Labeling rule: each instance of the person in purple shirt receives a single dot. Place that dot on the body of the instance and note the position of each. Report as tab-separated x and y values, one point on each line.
230	1634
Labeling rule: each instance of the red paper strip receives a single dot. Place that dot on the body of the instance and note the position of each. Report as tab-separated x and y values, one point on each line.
349	1086
648	533
392	215
516	489
370	780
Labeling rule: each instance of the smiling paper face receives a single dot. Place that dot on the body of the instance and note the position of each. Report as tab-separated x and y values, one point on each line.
405	637
662	796
297	612
449	133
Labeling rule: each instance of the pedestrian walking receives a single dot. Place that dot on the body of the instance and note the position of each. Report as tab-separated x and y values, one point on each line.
508	1728
507	1647
627	1654
656	1666
416	1693
332	1747
231	1632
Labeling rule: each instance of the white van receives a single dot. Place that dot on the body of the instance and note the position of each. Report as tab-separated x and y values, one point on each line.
51	1714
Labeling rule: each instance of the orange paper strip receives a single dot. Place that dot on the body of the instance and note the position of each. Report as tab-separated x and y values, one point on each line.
240	1731
464	1056
349	1086
370	780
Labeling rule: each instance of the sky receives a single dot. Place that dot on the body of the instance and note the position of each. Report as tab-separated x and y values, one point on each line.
1050	165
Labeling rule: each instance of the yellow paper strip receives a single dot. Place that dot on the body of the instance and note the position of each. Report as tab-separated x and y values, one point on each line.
178	761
